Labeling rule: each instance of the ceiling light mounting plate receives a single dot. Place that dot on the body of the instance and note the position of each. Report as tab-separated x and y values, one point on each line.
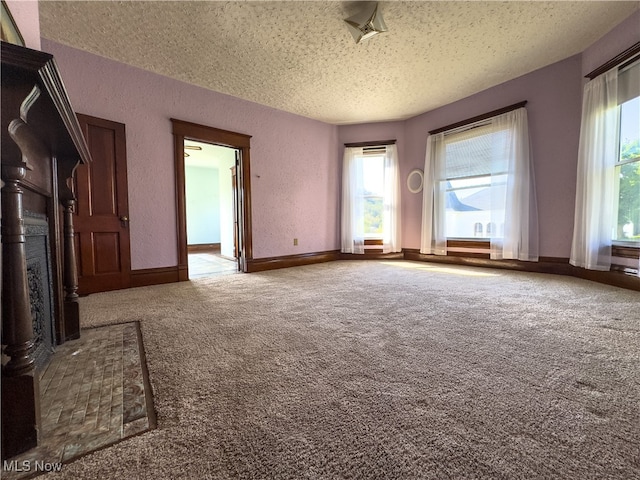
367	23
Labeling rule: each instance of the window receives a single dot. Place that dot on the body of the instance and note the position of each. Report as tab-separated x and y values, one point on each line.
476	176
370	198
478	184
608	179
372	193
627	176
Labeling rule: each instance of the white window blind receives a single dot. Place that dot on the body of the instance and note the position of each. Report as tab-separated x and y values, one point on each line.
475	152
629	82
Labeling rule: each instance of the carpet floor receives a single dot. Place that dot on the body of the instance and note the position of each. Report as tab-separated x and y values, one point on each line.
372	369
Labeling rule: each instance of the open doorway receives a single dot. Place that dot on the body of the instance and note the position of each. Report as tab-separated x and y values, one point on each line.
186	133
209	172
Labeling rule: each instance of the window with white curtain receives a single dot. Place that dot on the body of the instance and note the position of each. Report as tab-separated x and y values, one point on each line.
607	208
370	198
479	184
627	168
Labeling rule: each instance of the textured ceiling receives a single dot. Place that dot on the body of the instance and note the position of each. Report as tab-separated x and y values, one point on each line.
300	57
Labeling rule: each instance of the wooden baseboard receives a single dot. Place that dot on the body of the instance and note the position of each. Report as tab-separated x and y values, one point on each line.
203	247
272	263
183	273
618	277
552	265
549	265
367	255
154	276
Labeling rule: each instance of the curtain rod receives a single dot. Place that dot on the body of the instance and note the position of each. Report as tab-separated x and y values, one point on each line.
630	52
478	118
371	144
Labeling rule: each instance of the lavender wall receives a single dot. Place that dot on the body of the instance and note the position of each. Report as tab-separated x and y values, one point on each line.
554	102
27	18
617	40
294	167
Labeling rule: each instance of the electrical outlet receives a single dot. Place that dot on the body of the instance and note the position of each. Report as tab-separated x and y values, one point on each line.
295	241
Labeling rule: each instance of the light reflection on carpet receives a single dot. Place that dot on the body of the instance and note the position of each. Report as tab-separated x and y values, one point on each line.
467	272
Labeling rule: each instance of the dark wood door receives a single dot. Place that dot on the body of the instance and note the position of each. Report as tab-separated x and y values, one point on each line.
102	213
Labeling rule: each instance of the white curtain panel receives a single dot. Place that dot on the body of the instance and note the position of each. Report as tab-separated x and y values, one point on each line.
352	228
434	200
391	241
520	240
595	189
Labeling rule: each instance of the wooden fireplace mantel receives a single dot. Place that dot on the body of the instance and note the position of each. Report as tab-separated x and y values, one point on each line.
41	146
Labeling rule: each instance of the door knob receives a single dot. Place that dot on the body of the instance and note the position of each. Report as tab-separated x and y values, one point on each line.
124	220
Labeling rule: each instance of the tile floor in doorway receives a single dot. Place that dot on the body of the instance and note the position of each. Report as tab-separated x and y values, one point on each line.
204	264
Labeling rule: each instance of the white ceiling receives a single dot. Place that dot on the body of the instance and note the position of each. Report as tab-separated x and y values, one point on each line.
299	56
209	156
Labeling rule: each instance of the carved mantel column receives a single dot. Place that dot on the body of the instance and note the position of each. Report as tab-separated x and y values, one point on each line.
70	269
71	306
17	328
20	386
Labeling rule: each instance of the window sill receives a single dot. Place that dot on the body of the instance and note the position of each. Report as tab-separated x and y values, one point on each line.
619	249
479	242
625	249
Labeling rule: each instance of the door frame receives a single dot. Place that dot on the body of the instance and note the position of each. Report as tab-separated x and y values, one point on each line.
192	131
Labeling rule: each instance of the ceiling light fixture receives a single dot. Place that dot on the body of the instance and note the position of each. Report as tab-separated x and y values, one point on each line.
366	24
